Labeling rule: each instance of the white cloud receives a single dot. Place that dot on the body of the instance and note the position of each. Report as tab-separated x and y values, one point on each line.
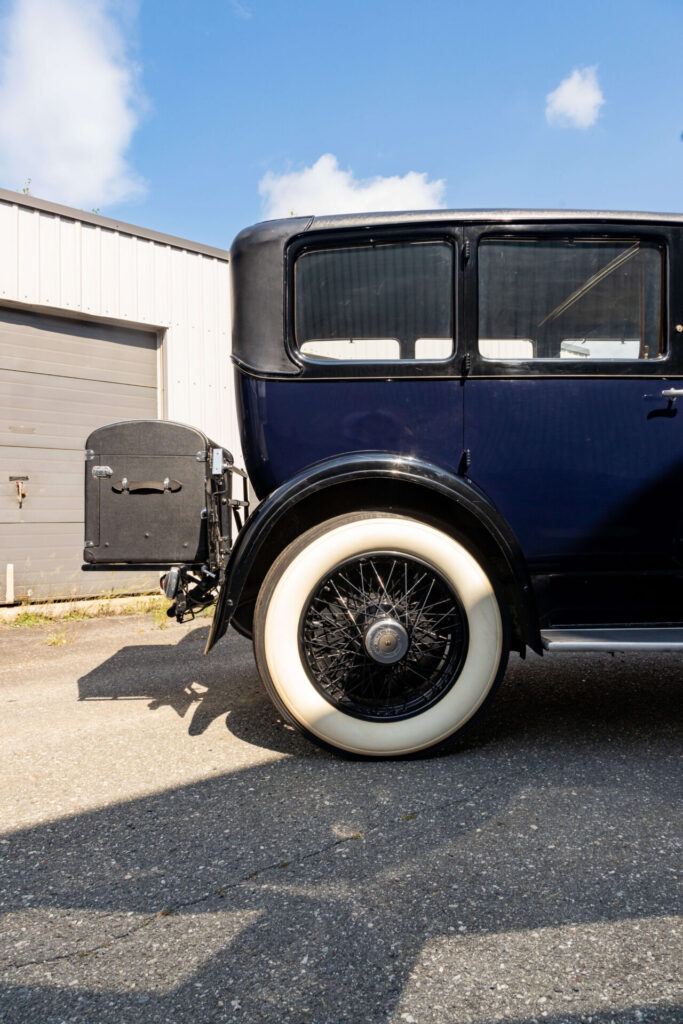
325	188
240	9
68	103
577	100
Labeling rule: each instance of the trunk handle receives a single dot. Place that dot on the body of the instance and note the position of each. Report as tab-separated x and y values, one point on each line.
146	486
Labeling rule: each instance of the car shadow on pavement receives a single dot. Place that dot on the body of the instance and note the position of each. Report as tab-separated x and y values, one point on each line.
199	689
538	858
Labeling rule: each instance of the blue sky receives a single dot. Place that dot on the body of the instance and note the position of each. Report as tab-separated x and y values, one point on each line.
197	118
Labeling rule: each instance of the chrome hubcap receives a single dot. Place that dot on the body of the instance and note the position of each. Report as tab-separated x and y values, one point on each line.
386	641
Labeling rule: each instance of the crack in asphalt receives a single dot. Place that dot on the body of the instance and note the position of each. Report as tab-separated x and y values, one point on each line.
79	953
181	905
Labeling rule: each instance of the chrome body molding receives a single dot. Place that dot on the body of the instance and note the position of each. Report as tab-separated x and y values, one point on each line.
650	638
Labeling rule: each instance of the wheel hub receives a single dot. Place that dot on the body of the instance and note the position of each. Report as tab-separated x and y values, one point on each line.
386	641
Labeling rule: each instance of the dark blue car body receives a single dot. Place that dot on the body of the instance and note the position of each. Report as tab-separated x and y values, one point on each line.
581	458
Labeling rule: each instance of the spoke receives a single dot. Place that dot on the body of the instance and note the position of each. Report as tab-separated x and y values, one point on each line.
445	615
322	650
346	604
361	687
333	639
435	604
334	628
381	581
410	668
405	592
345	664
437	630
366	681
431	587
420	653
362	585
338	678
416	584
427	656
340	626
333	611
346	609
388	583
352	585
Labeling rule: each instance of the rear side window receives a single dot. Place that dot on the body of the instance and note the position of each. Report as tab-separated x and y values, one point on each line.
375	302
575	298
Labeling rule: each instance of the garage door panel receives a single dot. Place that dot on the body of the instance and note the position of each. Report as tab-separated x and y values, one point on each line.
54	489
59	412
59	380
47	564
32	343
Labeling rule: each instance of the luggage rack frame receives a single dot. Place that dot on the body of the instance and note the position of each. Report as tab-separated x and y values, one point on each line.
193	585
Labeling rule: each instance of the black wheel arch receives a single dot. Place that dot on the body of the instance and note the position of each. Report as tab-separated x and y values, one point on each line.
376	481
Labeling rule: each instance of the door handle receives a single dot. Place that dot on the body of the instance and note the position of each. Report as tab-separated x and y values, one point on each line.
672	393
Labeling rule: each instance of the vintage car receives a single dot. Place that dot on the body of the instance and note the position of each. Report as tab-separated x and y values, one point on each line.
463	431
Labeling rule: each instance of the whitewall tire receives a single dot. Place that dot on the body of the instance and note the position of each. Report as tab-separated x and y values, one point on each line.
379	635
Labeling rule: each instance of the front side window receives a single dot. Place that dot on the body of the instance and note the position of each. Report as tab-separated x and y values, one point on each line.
379	303
574	298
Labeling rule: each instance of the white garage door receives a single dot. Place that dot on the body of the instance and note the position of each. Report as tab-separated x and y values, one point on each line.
59	379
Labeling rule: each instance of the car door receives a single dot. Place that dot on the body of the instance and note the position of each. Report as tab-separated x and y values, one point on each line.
571	421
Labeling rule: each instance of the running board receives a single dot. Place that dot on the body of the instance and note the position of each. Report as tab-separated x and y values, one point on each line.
651	638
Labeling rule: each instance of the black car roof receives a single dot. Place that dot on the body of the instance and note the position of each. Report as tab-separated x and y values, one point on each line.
502	216
257	265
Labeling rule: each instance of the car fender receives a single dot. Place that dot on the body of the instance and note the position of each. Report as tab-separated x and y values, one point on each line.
354	468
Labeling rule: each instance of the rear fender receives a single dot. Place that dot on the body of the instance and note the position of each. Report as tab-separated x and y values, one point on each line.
368	467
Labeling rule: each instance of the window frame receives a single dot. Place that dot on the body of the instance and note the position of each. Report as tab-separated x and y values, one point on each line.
312	368
671	363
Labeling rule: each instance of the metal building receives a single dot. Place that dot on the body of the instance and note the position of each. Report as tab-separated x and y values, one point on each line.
99	321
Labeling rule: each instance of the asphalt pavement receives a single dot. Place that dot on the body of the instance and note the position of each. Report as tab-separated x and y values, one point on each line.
172	852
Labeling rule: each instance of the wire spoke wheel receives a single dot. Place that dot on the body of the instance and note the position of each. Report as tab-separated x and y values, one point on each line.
383	636
379	635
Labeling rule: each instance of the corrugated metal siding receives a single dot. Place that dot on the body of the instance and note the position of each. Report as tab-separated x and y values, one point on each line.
57	263
54	556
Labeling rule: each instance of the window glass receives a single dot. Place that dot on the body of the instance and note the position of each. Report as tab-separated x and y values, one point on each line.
376	302
570	299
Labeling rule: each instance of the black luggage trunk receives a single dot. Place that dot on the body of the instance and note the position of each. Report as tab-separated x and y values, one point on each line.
156	493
